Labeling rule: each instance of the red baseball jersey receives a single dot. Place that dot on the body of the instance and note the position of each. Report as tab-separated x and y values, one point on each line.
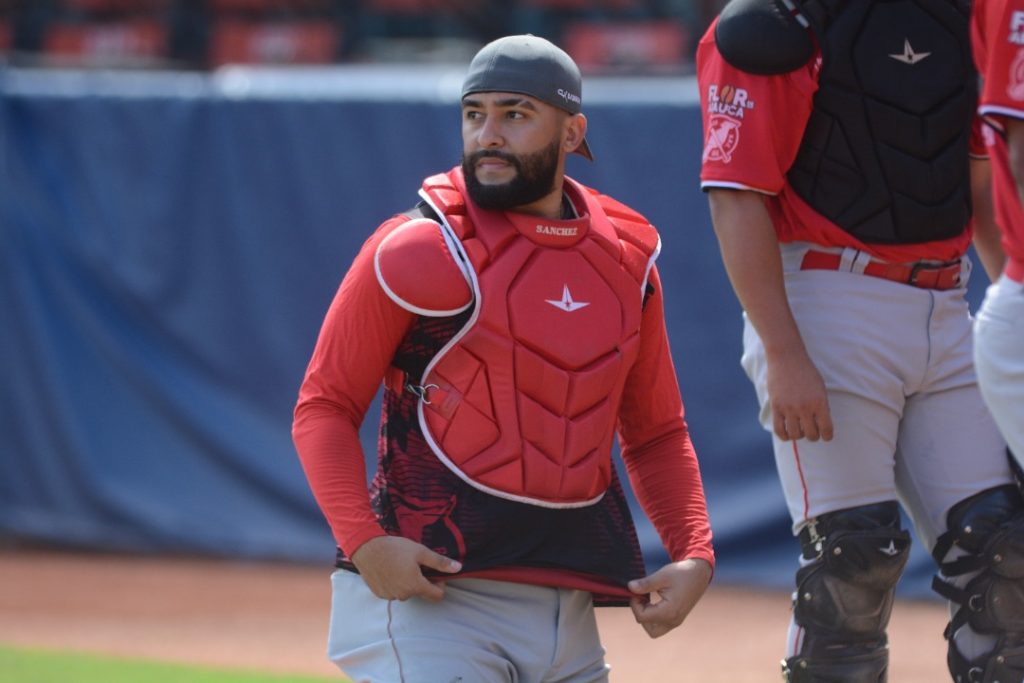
998	38
753	127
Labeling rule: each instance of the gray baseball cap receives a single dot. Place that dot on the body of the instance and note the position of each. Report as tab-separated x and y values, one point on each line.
531	66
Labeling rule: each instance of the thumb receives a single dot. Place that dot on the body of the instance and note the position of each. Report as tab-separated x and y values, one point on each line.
428	558
640	586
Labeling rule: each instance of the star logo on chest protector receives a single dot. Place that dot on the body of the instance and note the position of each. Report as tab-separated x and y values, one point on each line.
566	303
909	56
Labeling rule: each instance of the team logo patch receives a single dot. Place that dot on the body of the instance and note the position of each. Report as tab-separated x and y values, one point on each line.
728	100
723	137
1016	35
1015	84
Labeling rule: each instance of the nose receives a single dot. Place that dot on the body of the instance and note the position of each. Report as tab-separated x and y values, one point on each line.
489	134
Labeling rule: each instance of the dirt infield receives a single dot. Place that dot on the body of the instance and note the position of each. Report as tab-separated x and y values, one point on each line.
273	617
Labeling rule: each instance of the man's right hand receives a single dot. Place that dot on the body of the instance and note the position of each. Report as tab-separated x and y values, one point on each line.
799	400
390	566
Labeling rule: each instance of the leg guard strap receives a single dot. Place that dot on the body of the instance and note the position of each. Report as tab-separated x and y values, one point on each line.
1004	663
990	528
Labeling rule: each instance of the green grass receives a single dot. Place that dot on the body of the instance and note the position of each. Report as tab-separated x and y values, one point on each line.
41	666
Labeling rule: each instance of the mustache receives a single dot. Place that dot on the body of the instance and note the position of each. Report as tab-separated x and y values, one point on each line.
492	154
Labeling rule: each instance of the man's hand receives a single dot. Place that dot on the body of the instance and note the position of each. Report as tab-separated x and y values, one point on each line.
798	398
390	566
679	586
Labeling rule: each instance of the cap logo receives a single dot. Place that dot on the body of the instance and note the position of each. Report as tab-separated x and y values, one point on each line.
566	95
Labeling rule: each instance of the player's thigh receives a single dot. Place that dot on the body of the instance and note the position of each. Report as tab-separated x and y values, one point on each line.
578	656
413	641
855	468
486	631
999	357
949	449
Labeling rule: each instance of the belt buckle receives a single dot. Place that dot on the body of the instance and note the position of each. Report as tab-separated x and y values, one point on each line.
918	266
915	270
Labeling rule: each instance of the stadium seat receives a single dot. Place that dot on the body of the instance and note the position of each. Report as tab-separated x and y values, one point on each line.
270	42
617	46
601	6
131	41
116	5
268	6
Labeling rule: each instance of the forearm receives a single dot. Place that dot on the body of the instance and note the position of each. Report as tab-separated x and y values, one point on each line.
986	232
332	458
665	477
750	252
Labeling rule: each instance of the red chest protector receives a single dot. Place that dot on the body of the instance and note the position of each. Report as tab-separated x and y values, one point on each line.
522	402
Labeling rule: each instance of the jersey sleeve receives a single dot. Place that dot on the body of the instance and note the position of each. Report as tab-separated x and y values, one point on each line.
360	333
753	124
655	443
998	34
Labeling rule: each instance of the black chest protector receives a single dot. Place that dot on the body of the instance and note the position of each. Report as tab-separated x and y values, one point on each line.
885	151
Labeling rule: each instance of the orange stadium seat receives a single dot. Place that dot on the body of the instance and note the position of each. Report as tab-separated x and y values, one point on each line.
115	5
429	10
108	42
267	42
605	5
402	6
626	45
558	4
227	6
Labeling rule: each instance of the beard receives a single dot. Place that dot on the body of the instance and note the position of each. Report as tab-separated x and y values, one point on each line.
534	179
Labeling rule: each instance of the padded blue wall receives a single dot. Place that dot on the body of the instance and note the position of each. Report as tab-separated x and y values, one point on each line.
167	252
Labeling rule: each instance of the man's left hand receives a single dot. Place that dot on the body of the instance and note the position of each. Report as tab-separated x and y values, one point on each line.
678	585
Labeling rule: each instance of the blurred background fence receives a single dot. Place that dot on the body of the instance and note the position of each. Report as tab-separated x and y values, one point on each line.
170	239
623	35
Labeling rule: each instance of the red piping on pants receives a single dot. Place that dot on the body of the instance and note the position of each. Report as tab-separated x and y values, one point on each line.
803	482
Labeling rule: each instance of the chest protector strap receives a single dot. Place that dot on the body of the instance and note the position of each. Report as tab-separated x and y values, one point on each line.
522	402
885	152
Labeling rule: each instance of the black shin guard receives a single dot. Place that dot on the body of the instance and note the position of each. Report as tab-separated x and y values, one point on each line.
989	528
844	596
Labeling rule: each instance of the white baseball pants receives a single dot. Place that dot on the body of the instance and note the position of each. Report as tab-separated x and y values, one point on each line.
999	357
481	632
909	420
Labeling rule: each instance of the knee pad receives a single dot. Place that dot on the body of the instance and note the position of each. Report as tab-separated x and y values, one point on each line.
989	529
844	595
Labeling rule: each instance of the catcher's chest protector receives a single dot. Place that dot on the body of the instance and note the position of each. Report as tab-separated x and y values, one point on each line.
885	152
522	402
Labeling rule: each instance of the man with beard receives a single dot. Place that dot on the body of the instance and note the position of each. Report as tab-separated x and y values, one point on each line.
515	317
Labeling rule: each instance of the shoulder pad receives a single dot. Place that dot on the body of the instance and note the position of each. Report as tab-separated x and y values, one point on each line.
762	37
630	226
639	241
417	270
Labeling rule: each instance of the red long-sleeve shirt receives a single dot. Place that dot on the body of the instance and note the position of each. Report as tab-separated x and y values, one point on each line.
365	335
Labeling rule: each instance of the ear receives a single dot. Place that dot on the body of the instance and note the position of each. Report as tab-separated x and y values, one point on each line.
575	131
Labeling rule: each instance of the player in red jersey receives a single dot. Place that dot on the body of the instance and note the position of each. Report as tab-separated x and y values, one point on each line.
516	319
998	38
837	161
